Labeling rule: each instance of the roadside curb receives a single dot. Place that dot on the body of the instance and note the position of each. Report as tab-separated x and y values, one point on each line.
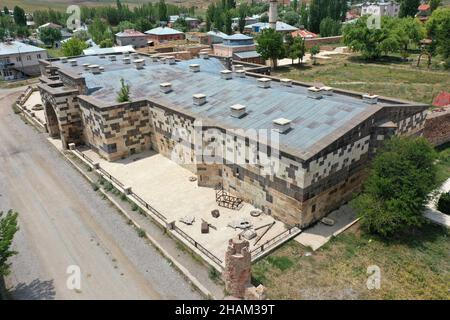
185	272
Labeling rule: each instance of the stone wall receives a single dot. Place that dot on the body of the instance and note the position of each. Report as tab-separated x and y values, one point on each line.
118	131
437	126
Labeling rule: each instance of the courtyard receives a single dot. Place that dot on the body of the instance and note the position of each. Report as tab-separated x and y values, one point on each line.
166	186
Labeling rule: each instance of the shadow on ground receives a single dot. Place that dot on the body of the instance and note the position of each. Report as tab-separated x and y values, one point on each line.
35	290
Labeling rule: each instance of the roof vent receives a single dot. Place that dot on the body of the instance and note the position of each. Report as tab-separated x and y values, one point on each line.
164	60
139	63
170	60
194	67
237	111
240	74
86	66
102	56
199	99
73	62
264	83
328	91
112	58
281	125
314	93
154	58
238	67
226	74
126	54
370	99
165	87
64	60
135	55
203	55
286	82
102	69
95	68
126	60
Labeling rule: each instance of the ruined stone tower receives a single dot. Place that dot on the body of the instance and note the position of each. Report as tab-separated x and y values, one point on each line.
273	14
237	271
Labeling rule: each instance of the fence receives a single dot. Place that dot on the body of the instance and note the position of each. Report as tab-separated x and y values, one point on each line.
205	251
197	245
274	241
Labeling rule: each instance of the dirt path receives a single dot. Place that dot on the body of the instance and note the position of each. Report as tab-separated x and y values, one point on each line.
63	223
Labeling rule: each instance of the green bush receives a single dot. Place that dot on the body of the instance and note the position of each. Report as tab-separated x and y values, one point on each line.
95	187
141	232
213	274
109	186
123	197
134	207
444	203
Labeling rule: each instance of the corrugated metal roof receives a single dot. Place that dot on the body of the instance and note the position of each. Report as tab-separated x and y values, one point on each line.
247	54
118	49
281	26
312	119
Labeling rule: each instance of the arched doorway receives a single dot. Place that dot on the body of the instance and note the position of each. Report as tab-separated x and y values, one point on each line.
52	121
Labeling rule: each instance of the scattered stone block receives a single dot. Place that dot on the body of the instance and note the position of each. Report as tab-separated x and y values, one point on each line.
205	227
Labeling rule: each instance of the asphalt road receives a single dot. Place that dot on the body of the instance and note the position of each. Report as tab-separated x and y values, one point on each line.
63	223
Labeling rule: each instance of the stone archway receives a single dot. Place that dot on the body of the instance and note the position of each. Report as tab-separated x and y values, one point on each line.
52	121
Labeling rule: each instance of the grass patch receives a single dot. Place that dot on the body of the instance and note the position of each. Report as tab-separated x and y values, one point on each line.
391	78
416	266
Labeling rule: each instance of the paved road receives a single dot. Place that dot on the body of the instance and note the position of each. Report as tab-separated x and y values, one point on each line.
63	223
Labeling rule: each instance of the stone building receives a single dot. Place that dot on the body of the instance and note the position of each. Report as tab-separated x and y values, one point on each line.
293	150
131	37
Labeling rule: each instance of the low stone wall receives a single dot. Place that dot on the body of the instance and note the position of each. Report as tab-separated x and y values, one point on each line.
437	126
318	41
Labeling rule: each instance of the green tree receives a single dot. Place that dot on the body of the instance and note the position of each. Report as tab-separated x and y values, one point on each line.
6	10
228	23
124	25
270	46
73	47
294	4
372	42
296	49
291	18
124	93
434	4
402	175
314	51
408	8
49	35
329	27
409	31
8	228
19	16
162	11
438	29
106	43
304	15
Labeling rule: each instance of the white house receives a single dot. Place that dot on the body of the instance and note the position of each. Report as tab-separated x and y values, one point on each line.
388	8
18	59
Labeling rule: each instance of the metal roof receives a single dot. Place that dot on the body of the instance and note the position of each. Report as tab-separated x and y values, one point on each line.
163	31
312	120
16	47
237	36
247	54
98	50
281	26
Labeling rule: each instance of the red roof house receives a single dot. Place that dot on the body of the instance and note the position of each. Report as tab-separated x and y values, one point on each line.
442	99
305	34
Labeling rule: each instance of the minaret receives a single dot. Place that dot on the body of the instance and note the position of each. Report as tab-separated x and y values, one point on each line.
273	14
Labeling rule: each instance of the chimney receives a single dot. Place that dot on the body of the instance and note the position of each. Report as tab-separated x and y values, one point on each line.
281	125
226	74
73	62
139	63
240	74
126	60
112	58
286	82
314	93
86	66
264	83
238	67
102	56
95	68
63	59
199	99
165	87
237	111
194	67
328	91
370	99
170	60
204	55
273	14
154	58
164	60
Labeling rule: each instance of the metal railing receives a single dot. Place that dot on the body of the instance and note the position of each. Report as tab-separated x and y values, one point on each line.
197	245
271	242
148	207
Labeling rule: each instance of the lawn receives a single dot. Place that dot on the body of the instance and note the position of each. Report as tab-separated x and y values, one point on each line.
395	79
415	267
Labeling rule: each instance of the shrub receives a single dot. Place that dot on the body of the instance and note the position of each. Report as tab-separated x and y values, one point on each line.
123	197
213	274
109	186
95	187
444	203
141	232
134	207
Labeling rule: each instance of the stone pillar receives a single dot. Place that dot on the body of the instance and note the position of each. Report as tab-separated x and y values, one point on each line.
237	273
273	14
